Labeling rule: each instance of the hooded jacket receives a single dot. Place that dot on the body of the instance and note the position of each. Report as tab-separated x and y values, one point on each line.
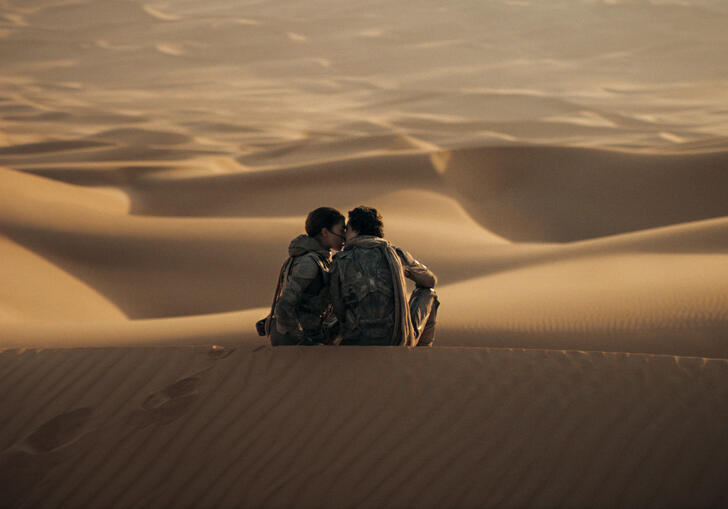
304	302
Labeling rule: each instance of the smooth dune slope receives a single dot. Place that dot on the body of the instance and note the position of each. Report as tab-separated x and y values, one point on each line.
634	302
195	427
36	291
525	193
564	194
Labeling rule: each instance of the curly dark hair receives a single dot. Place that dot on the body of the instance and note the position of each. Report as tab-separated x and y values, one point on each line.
322	217
367	221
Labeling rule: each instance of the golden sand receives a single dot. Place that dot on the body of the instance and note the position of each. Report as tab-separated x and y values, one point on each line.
561	166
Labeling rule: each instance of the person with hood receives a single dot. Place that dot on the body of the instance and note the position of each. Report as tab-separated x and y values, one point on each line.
301	311
369	292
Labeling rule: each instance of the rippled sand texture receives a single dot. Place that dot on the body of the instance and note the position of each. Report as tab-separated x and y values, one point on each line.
314	428
562	166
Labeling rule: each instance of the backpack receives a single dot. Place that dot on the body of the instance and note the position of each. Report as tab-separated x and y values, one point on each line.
368	294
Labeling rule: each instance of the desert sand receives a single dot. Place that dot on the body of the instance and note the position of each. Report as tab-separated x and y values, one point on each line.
561	166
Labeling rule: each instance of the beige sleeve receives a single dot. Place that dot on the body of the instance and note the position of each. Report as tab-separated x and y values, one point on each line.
416	271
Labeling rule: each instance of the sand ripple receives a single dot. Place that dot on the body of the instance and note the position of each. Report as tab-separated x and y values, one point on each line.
456	427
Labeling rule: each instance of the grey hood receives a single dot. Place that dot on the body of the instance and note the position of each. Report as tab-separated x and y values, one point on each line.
304	244
366	242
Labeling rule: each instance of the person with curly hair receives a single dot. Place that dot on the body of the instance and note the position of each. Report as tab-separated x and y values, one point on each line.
368	289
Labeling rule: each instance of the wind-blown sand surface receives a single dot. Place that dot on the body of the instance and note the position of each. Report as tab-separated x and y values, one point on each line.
455	427
561	166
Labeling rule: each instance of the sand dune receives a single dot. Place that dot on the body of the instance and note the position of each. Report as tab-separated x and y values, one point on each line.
36	290
660	291
561	166
556	194
527	193
452	427
673	303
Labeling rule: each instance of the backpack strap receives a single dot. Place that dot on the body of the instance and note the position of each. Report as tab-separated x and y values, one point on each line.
282	276
319	259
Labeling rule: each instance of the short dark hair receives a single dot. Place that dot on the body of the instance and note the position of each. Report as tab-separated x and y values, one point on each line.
322	217
367	221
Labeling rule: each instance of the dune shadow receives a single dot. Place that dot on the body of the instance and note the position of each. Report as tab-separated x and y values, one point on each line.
559	194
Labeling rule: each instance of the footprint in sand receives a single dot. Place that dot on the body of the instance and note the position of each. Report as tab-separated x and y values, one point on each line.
59	431
24	465
168	404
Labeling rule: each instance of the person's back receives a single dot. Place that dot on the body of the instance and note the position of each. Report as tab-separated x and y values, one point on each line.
368	290
304	301
301	310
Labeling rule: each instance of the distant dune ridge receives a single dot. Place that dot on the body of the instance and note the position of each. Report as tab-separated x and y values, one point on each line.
561	166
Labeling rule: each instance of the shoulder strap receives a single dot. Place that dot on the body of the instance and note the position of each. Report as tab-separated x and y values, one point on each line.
319	259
